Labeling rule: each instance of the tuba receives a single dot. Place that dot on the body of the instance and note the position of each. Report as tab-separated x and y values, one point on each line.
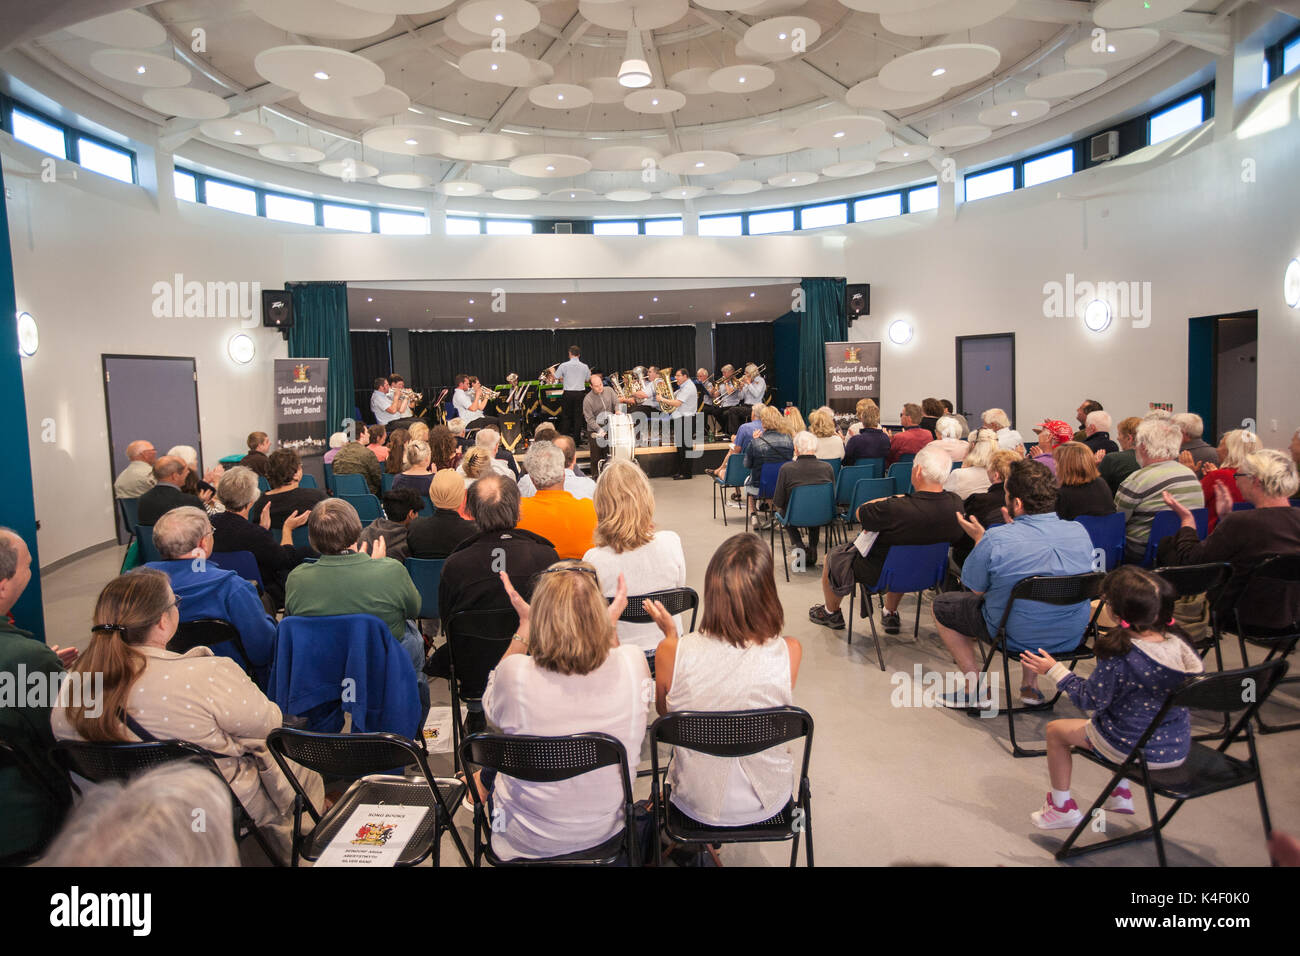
663	386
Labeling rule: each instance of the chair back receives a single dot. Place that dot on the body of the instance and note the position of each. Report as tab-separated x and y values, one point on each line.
736	472
148	550
1107	534
210	632
476	641
386	481
913	567
849	476
901	473
301	537
262	484
426	573
547	759
426	508
1166	523
99	762
835	463
1190	580
767	478
307	481
367	505
1229	692
869	489
674	600
241	562
735	733
1057	589
811	506
130	513
329	476
351	485
1274	584
1242	506
346	756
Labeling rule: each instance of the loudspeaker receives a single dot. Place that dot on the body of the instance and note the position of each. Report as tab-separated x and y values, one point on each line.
277	309
858	299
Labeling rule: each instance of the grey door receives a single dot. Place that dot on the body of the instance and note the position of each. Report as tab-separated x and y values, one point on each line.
986	375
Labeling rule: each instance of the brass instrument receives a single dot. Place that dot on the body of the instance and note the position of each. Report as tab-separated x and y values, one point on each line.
481	392
411	395
547	376
758	371
516	396
616	386
664	386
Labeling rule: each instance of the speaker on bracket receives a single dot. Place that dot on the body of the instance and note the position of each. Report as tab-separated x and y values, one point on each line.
858	298
277	310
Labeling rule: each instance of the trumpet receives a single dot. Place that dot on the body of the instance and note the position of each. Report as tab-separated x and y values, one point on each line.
481	392
410	395
547	375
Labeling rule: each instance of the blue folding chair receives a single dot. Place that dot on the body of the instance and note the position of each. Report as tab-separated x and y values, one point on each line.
130	513
426	508
908	568
426	573
307	481
901	472
368	507
386	482
148	550
835	463
1107	534
351	485
866	489
810	506
1242	506
1167	523
733	477
300	538
241	562
262	484
329	476
767	482
849	476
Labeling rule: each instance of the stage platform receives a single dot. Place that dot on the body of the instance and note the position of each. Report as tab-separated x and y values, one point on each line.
657	461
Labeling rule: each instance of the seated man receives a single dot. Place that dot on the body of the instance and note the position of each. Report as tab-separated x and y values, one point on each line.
401	507
1205	457
489	440
805	469
437	535
554	514
275	554
1051	433
1081	414
1142	493
1096	431
355	458
744	435
1034	540
1115	466
137	477
184	538
470	405
912	438
575	483
387	405
927	516
169	474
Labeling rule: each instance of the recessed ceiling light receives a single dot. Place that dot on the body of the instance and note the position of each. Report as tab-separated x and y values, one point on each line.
780	36
1015	113
728	313
239	132
752	294
321	75
655	299
654	102
550	169
140	69
494	66
498	18
411	142
376	318
470	319
564	302
839	134
699	165
906	154
370	299
559	96
573	195
471	301
938	71
557	318
740	79
640	316
1110	48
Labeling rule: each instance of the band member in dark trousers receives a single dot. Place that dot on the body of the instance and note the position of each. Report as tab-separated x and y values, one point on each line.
573	375
682	407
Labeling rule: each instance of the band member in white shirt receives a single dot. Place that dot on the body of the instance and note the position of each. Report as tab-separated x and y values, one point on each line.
600	403
386	404
752	392
469	406
682	407
573	375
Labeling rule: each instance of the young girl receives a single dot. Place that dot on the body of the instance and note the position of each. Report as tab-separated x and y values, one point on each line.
1139	663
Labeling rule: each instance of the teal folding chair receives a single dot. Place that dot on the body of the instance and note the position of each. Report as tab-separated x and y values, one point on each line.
368	507
810	506
308	481
386	482
426	574
901	473
351	485
733	477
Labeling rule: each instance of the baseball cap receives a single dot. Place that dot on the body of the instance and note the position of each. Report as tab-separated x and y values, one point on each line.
1059	430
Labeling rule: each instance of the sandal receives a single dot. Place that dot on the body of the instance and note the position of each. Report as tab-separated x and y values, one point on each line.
1032	697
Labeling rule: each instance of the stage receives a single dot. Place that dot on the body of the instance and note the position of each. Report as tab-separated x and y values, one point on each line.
657	461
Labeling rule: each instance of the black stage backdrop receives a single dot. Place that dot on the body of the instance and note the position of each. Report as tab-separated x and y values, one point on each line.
370	359
437	357
735	343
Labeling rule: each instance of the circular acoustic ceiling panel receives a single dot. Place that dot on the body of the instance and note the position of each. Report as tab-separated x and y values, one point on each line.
889	6
304	68
872	94
516	193
549	165
1016	111
560	96
627	157
515	17
963	135
699	162
347	169
571	194
606	89
291	153
694	81
643	15
683	192
459	187
126	28
187	102
765	141
506	67
950	16
839	132
405	180
398	6
386	101
733	6
629	195
482	148
451	26
323	19
743	78
738	187
410	140
1121	14
935	69
654	100
776	38
784	180
1066	83
1120	45
539	72
858	167
140	69
905	154
236	130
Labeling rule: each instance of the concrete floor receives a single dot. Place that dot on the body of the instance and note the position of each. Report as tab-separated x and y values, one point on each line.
890	784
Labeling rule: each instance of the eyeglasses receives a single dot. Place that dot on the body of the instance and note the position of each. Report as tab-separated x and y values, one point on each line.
1241	474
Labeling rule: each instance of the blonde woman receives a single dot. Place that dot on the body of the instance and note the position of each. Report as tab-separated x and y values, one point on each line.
419	431
1234	446
973	477
829	444
793	422
871	441
628	545
475	465
418	471
564	673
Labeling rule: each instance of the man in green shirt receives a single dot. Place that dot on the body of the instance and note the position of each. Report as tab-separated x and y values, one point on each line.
1141	495
355	458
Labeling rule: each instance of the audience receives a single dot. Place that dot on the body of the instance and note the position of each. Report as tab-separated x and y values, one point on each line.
973	477
949	441
1295	447
1008	438
259	443
929	515
1096	431
575	483
872	442
169	474
1233	449
438	535
1115	466
233	531
1142	493
419	470
488	441
931	411
443	450
286	497
829	444
736	660
744	435
193	484
137	477
355	458
1139	663
986	507
1204	457
1032	541
913	436
418	431
1082	490
378	445
477	464
1051	433
337	441
961	419
805	469
771	443
401	505
553	513
1081	414
395	460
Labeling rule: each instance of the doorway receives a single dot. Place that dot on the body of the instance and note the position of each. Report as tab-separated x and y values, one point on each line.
986	375
1222	370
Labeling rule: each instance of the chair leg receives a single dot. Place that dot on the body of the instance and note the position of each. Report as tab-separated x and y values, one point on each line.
875	636
1156	824
785	559
807	820
1065	849
916	628
849	617
456	730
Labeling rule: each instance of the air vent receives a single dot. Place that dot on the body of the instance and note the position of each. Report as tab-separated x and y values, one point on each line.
1103	146
564	228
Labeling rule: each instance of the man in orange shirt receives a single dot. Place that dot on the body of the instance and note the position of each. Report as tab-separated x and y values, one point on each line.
554	514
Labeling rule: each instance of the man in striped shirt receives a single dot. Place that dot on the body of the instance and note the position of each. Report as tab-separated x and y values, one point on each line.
1141	494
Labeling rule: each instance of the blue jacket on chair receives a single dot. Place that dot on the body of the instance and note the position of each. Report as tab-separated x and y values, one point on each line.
314	656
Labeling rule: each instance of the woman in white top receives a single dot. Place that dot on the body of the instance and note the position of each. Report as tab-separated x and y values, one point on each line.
627	544
829	444
973	476
949	431
737	660
564	673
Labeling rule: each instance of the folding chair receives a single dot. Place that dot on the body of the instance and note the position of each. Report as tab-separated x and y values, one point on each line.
11	758
426	574
307	481
476	642
242	563
148	550
211	633
1107	534
1058	590
262	484
1166	523
351	485
329	476
1275	573
835	463
548	760
386	482
130	515
864	490
674	600
426	508
1208	579
301	537
849	476
733	734
367	505
810	506
908	568
367	760
901	472
1206	770
733	477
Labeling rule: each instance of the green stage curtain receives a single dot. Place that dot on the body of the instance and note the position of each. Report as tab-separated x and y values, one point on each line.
823	321
320	330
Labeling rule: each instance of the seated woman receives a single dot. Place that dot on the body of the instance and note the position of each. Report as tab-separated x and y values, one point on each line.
205	487
1082	489
151	693
829	444
337	441
378	435
1233	449
973	477
443	450
949	431
275	553
773	443
564	673
418	471
628	545
396	459
283	473
437	535
737	660
419	431
870	441
475	465
986	506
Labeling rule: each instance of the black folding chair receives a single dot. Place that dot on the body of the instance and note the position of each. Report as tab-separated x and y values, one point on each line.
547	760
98	762
1058	590
476	642
1206	770
675	601
1208	579
206	633
11	758
734	734
1275	574
364	759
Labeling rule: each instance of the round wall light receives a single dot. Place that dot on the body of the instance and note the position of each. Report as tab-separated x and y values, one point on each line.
29	338
1291	284
900	332
241	348
1096	315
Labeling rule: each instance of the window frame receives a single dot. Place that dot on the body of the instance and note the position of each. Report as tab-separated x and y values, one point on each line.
1177	104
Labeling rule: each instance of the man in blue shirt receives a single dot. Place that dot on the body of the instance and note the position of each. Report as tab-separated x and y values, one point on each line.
573	375
682	408
204	591
753	391
469	406
1033	541
385	404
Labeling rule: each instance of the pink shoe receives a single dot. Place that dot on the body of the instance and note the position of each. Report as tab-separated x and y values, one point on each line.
1119	801
1052	817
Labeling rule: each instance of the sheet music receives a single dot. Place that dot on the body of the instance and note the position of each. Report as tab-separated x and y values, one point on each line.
864	541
